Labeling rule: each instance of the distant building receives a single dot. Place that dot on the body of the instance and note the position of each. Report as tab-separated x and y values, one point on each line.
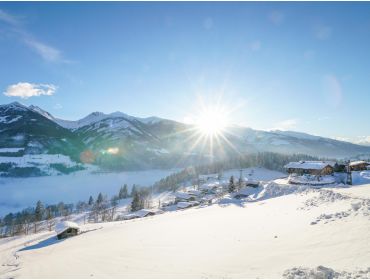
310	167
184	197
66	229
142	213
208	177
358	165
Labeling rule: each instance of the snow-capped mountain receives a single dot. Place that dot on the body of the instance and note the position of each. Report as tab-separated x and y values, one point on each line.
34	130
117	140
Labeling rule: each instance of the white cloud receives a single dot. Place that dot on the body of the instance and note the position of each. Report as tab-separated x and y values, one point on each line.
286	124
27	90
255	45
48	53
322	32
276	17
7	18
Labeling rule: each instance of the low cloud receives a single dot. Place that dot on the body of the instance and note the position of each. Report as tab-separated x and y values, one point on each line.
27	90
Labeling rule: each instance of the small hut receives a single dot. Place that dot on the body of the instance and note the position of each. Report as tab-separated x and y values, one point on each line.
66	229
358	165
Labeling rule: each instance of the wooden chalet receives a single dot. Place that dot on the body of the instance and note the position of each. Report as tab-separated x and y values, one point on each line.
310	167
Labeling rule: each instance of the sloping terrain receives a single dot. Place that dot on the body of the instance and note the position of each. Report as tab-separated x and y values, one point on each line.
293	235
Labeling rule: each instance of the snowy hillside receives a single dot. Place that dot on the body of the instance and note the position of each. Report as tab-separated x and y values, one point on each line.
310	234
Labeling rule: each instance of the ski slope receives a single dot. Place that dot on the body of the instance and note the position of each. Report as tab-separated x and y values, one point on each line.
305	234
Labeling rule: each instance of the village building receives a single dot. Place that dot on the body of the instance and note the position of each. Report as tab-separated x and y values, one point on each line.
359	165
251	183
310	167
208	178
66	229
184	205
184	197
210	188
142	213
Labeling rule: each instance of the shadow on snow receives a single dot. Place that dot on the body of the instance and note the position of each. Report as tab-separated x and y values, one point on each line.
44	243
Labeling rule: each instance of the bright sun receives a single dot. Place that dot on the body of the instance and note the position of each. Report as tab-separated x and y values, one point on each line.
212	121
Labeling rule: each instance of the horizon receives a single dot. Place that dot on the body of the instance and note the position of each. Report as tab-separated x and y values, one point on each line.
159	117
166	59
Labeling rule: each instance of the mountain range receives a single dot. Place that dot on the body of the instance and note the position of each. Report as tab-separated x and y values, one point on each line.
119	141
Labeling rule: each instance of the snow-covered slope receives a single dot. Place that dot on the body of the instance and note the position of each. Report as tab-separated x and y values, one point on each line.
138	140
309	234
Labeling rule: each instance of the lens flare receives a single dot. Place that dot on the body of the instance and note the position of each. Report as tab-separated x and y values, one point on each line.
113	150
212	121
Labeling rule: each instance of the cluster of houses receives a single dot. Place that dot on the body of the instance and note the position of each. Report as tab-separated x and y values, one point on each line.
324	167
321	172
210	187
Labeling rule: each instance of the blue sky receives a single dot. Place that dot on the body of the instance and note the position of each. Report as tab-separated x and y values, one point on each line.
292	66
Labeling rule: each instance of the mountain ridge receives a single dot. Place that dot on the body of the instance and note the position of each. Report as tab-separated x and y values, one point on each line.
151	142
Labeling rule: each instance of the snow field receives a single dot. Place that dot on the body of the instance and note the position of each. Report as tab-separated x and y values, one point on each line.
265	239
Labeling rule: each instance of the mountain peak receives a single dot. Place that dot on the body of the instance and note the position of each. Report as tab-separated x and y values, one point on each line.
14	105
41	112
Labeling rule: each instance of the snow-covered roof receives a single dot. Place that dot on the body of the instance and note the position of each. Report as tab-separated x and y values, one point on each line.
143	212
248	191
352	163
208	176
317	165
194	192
251	181
183	205
209	186
183	195
63	226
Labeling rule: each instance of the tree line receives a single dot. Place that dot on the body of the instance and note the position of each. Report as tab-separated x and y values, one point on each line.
101	209
269	160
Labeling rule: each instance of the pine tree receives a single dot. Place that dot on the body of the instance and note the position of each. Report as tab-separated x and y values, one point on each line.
136	201
100	199
125	191
91	201
133	190
38	215
39	211
231	184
